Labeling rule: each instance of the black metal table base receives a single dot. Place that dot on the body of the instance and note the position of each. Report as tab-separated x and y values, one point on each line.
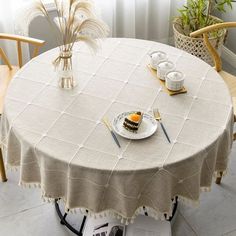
64	221
80	232
175	205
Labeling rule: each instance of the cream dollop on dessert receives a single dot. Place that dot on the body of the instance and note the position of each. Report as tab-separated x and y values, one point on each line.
133	121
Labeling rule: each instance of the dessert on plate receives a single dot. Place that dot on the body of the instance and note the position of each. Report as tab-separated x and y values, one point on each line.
133	121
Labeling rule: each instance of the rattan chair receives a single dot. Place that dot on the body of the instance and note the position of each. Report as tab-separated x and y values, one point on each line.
229	79
8	70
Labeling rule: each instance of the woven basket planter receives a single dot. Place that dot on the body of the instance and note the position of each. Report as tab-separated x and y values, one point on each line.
195	46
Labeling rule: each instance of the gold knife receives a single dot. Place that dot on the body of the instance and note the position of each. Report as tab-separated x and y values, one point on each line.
108	125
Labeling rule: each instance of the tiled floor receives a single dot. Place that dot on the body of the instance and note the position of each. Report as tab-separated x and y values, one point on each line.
23	213
216	214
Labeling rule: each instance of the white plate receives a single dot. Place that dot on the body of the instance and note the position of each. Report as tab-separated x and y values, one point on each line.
146	129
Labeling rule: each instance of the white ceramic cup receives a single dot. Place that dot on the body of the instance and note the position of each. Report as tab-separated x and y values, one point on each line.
174	80
156	57
163	68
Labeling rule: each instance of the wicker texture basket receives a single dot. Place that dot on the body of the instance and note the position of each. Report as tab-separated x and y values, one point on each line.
195	46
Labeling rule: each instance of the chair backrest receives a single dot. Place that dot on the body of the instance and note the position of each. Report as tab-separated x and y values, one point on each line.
37	43
204	31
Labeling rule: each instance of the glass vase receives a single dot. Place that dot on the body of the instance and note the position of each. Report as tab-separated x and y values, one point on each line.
64	70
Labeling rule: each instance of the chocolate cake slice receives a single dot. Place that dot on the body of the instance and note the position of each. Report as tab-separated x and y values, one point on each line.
133	121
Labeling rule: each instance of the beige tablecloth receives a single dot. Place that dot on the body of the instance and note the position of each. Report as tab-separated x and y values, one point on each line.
58	140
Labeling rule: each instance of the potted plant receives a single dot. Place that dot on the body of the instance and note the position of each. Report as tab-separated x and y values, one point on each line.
195	15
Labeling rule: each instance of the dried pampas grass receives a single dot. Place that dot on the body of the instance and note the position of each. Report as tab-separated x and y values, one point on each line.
76	20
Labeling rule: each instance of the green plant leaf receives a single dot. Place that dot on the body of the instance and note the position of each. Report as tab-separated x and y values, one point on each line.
196	14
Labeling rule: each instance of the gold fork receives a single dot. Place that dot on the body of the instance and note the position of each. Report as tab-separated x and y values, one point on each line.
157	117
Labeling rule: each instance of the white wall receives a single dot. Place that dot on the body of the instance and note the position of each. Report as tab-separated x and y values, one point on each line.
231	16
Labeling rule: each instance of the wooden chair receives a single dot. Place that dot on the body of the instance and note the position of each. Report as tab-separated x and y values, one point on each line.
8	70
229	79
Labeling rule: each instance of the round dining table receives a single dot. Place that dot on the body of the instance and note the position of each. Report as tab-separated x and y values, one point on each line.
57	140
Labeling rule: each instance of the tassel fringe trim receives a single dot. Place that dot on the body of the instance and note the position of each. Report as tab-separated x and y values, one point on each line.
112	213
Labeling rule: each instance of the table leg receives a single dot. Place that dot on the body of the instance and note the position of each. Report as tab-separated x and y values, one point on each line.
80	232
63	219
82	225
175	205
145	211
64	222
2	168
218	179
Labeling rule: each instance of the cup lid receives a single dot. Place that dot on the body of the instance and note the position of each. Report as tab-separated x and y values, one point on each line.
175	75
158	55
166	65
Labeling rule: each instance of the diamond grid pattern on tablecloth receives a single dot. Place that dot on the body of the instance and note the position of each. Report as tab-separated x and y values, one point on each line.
41	72
192	67
71	152
54	99
137	95
104	51
103	87
175	105
115	69
144	78
210	90
106	143
88	107
20	86
128	54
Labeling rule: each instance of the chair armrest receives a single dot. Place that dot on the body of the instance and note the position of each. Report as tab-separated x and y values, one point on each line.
212	27
204	32
37	42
